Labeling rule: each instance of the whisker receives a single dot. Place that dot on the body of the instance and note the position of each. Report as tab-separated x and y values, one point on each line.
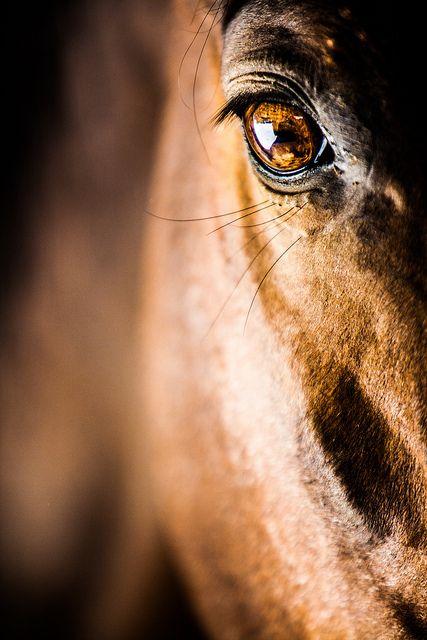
258	233
269	225
258	224
241	278
196	73
197	32
188	49
220	215
196	10
264	278
241	217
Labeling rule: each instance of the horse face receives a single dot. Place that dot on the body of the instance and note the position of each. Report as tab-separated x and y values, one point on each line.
283	325
355	303
287	382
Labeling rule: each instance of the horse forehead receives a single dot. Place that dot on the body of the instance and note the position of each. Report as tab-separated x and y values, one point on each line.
396	35
379	15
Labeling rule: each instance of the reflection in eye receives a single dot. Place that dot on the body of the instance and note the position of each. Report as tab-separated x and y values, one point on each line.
282	136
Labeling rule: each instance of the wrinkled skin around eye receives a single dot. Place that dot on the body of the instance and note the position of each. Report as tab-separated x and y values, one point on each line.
281	135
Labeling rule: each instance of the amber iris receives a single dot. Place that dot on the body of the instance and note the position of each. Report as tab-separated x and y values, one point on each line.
281	135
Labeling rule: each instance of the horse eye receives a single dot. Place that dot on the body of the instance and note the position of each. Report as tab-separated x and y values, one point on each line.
283	137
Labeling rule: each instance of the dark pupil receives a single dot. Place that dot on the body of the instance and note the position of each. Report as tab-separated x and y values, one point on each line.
286	135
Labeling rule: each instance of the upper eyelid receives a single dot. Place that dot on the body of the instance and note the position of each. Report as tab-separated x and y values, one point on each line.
236	106
269	88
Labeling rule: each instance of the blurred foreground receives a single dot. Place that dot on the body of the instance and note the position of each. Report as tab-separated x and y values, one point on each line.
81	557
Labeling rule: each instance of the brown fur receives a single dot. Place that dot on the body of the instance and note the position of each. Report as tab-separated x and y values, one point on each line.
289	460
155	411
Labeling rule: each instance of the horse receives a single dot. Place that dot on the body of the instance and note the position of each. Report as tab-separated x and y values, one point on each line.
213	355
284	320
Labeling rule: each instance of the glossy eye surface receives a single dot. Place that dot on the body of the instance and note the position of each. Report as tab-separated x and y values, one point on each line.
282	136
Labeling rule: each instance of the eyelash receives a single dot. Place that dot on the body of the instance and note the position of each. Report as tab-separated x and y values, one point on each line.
236	107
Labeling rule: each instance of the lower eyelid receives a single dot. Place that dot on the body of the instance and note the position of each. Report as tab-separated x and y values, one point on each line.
297	182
